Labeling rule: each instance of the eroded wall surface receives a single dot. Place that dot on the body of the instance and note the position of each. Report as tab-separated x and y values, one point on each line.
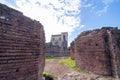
98	51
22	46
72	50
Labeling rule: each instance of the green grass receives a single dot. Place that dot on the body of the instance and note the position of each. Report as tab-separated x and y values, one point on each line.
49	58
68	62
47	76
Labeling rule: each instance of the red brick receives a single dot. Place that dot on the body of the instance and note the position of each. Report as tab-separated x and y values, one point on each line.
22	46
98	51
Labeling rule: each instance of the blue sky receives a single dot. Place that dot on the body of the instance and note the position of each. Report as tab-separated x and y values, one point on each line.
72	16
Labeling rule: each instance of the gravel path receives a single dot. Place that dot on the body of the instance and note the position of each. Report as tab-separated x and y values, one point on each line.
60	72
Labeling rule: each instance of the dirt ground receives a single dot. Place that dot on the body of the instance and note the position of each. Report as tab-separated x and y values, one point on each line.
60	72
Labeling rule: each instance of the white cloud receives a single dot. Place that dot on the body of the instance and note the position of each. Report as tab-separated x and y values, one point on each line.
3	1
56	15
107	2
87	5
105	8
98	7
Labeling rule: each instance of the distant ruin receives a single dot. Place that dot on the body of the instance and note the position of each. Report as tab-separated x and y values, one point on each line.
98	51
58	46
22	46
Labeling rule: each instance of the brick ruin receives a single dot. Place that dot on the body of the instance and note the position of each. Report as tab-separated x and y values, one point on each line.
22	46
98	51
72	50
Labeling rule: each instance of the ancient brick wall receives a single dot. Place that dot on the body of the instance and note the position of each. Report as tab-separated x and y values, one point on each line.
114	48
72	50
22	46
98	51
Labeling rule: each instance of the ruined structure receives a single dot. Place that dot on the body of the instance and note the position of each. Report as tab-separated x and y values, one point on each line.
58	45
98	51
22	46
72	50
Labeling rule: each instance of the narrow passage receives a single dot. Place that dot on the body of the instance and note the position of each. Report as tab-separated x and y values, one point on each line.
60	72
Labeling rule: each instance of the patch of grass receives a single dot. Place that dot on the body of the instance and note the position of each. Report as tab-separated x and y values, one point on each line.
70	64
49	58
47	76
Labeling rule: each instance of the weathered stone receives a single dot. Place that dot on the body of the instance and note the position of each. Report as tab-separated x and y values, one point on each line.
22	46
98	51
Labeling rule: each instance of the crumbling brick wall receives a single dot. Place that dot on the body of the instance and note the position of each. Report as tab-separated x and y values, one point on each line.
22	46
98	51
72	50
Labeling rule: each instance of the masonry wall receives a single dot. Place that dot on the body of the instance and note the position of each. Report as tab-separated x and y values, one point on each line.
72	50
98	51
55	50
22	46
114	47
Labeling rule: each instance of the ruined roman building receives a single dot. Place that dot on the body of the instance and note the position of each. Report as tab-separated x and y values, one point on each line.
22	46
98	51
72	50
58	45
